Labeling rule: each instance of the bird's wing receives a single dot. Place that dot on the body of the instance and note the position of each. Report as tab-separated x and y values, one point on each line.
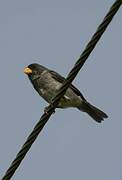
61	79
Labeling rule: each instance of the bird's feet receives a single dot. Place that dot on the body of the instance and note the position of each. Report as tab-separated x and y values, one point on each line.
46	109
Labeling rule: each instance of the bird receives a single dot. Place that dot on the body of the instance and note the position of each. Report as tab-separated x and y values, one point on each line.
47	83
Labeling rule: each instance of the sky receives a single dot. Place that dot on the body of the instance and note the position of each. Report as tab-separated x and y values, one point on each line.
53	34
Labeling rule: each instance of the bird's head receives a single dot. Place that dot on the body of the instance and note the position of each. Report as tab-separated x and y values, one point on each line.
34	71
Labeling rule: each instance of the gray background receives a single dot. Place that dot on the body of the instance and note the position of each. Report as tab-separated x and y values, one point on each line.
54	33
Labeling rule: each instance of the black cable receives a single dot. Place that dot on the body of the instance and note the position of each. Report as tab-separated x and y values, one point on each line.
43	120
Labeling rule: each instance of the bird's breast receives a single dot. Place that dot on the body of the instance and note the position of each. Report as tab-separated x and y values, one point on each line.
48	87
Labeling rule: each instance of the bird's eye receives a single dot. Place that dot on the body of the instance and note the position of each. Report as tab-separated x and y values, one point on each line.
35	73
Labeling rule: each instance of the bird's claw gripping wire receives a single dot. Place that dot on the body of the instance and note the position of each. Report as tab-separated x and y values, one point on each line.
47	109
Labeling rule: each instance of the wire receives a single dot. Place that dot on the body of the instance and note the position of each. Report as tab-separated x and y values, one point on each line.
51	108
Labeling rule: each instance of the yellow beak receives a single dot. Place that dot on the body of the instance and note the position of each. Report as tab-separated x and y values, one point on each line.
27	70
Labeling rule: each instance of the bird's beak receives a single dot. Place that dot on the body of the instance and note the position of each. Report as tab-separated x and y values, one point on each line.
27	70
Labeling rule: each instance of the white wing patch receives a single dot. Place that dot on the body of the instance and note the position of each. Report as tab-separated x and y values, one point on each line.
42	91
67	97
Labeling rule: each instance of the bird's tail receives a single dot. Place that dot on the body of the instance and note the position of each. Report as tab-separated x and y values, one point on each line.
94	112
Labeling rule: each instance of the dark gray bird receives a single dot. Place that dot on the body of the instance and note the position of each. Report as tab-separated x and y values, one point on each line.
47	82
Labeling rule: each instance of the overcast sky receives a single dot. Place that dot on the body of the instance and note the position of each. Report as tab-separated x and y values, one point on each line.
54	33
